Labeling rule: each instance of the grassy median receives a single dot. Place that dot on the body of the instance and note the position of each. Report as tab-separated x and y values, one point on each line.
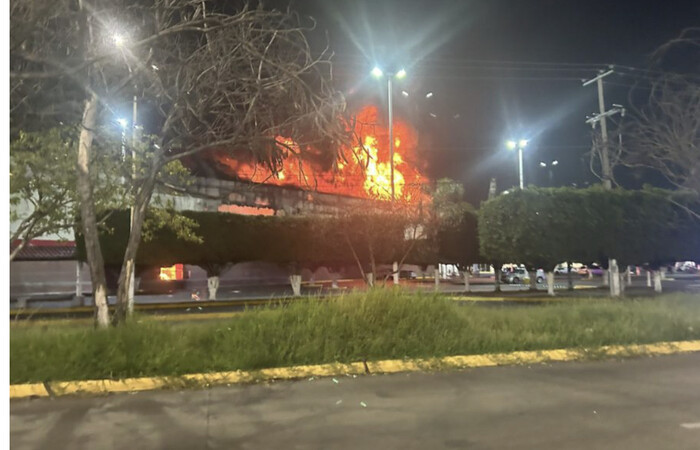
381	324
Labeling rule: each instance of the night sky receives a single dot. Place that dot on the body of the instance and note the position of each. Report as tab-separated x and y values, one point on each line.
497	70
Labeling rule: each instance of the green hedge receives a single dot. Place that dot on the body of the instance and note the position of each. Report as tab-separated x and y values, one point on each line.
542	227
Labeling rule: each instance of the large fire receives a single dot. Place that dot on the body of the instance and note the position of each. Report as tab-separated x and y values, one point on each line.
363	170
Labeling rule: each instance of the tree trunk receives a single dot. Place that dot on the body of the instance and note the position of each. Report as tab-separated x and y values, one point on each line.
533	280
497	277
606	280
629	275
550	283
212	286
648	278
395	272
437	278
126	276
657	281
621	283
466	280
614	279
295	280
88	216
569	278
370	279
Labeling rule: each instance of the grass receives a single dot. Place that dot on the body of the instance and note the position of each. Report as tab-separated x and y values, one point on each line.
381	324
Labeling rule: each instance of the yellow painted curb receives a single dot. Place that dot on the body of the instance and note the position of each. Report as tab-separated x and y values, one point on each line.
28	390
61	388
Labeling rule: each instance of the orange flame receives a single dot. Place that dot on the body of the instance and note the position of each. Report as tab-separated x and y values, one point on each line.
362	170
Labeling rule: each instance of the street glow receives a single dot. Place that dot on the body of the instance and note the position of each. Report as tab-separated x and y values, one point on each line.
522	143
118	39
555	162
428	95
404	93
401	74
511	145
122	122
377	72
543	164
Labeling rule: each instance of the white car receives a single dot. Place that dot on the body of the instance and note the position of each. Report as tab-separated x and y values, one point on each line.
521	275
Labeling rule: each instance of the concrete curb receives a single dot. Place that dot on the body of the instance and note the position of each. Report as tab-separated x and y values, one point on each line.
102	387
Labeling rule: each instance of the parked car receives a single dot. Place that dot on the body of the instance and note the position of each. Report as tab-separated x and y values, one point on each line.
561	269
596	270
515	276
521	275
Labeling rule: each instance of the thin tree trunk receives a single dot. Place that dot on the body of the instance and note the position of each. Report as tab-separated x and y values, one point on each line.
533	280
141	201
466	280
395	272
295	281
436	272
569	278
621	285
497	277
88	216
657	281
550	283
212	286
19	248
614	278
357	259
648	278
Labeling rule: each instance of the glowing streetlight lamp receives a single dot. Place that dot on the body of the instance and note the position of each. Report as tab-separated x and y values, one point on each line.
377	72
520	145
551	165
118	39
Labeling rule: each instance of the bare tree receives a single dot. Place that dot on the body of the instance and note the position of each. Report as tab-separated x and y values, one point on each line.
243	82
663	132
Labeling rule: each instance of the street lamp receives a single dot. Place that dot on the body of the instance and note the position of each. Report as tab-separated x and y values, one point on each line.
552	164
378	73
520	145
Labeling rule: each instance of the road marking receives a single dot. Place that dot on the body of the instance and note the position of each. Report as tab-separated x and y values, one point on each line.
691	426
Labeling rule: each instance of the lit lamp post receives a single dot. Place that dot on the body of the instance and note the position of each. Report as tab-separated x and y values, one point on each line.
378	73
551	165
520	145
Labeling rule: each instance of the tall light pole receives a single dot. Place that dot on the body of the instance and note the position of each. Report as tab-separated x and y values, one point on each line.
378	73
520	145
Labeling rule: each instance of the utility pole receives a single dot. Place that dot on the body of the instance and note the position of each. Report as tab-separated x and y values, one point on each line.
613	273
605	161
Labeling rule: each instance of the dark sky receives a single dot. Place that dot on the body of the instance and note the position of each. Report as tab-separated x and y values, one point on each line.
498	70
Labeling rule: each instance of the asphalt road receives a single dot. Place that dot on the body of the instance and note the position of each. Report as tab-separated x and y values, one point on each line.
648	403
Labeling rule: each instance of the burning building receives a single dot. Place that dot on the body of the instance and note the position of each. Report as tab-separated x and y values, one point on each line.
361	171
